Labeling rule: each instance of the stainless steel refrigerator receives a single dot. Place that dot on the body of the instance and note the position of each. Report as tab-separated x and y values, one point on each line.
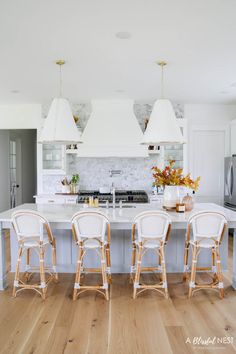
230	182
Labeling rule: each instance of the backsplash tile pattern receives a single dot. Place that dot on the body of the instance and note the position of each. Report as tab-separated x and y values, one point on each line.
94	172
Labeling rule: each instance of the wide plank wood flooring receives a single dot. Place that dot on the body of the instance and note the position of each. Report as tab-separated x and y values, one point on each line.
148	325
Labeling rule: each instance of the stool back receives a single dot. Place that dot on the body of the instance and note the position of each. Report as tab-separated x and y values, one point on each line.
30	225
88	225
208	225
152	224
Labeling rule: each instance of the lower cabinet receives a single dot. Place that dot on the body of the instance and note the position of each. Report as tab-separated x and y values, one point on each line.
56	199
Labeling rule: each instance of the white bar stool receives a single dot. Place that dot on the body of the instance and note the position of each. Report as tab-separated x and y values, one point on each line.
34	234
207	233
150	231
91	231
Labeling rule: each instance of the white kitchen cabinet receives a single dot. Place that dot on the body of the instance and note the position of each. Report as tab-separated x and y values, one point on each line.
233	137
56	199
176	152
53	159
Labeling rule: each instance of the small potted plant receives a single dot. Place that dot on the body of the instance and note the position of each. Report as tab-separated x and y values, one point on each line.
171	179
74	183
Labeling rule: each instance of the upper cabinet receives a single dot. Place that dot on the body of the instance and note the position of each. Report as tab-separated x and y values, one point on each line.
177	152
53	159
233	137
174	152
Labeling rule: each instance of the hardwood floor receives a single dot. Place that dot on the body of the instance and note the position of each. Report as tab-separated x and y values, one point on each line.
149	324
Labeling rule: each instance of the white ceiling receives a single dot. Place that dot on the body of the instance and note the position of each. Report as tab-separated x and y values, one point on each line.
197	38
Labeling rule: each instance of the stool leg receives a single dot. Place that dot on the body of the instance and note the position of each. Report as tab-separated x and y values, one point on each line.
133	263
42	272
160	265
163	267
27	276
17	274
104	273
138	270
54	259
108	254
133	259
193	271
186	254
219	272
108	262
82	272
214	269
78	271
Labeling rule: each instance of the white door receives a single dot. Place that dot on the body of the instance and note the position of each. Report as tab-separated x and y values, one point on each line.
207	160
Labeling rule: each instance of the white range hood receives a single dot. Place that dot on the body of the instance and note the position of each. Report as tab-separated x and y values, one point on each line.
112	131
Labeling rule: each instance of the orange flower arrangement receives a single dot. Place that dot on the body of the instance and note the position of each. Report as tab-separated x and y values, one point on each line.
174	177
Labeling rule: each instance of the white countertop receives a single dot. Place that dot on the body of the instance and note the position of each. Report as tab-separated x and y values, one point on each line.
63	213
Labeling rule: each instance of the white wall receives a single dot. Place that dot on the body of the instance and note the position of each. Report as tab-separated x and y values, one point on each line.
20	116
203	113
209	116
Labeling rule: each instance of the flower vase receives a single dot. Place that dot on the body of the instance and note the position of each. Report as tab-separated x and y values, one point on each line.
73	188
171	197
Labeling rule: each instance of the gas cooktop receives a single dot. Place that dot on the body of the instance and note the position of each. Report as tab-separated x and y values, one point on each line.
127	196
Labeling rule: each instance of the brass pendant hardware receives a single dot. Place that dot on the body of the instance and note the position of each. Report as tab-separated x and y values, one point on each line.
60	62
161	63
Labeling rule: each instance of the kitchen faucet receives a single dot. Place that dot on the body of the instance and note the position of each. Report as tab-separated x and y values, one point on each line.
113	192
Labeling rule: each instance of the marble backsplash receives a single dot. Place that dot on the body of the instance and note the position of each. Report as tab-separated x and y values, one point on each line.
135	173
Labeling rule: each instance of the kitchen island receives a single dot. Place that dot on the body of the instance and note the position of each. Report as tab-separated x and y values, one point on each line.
121	220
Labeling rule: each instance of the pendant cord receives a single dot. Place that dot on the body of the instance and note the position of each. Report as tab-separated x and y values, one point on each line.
162	81
162	63
60	63
60	82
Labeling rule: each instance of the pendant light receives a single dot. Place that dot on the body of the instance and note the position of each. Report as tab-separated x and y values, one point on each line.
59	126
162	128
